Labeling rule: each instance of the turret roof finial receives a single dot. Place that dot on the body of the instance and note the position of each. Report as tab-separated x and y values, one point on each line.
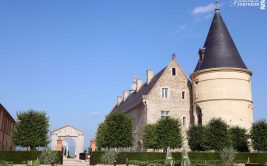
173	56
217	7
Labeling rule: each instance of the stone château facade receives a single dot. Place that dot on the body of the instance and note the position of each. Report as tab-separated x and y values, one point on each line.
220	87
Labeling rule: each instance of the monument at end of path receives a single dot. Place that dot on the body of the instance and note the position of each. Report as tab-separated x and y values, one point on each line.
58	136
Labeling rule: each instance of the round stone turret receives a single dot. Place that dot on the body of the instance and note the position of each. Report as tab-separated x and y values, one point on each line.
221	82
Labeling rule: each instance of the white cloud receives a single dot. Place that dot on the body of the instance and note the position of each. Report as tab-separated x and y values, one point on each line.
94	114
204	9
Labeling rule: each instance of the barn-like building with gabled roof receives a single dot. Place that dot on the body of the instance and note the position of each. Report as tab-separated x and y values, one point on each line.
168	93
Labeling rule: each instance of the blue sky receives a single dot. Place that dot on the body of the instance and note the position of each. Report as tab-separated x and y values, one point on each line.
73	58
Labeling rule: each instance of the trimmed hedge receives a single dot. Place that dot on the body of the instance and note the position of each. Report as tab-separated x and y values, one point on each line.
140	156
253	157
195	157
19	157
215	156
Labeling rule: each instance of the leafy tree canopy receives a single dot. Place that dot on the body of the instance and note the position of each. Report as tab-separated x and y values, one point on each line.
100	135
217	135
31	129
196	135
259	135
239	138
169	133
150	138
116	131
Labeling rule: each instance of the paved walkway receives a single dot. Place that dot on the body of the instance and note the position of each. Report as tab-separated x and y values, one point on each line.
74	162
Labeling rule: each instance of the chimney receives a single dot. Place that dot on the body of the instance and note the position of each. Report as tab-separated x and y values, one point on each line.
149	76
125	95
119	100
138	84
133	87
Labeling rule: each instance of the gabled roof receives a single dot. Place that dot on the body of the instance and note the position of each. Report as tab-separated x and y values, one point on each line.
136	98
220	50
66	127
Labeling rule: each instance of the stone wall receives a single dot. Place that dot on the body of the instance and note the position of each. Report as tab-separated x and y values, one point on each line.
224	93
174	103
138	114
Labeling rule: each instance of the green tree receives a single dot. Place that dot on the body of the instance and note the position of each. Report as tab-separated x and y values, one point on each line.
169	133
101	140
150	138
217	135
196	135
31	129
119	130
259	135
239	138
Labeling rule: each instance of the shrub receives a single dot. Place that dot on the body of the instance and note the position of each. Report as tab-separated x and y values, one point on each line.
259	135
204	156
148	163
109	157
47	156
36	163
228	156
20	157
5	163
121	159
212	158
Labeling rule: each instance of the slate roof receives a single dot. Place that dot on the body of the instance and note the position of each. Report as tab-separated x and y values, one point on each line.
136	97
220	50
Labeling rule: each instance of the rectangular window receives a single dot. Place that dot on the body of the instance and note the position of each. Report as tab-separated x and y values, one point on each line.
164	93
184	121
183	94
165	114
173	71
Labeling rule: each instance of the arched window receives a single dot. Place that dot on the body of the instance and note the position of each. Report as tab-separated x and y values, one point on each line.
199	115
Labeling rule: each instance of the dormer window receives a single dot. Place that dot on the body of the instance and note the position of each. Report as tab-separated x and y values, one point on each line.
201	53
173	71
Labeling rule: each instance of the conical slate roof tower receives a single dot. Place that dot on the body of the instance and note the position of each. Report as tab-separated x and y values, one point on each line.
221	82
219	49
